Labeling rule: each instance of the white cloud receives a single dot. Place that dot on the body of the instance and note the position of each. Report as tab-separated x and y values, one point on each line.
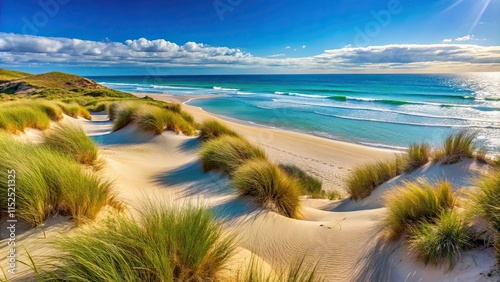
276	55
304	46
465	38
447	40
22	50
288	47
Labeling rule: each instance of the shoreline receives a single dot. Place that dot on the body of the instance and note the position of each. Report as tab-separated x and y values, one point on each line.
184	100
330	160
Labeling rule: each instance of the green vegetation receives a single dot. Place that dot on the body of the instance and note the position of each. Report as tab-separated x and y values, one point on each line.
6	75
74	110
364	179
124	114
456	147
416	202
151	119
72	140
52	183
309	185
227	153
164	243
269	186
417	156
484	204
212	128
297	272
17	116
442	240
177	123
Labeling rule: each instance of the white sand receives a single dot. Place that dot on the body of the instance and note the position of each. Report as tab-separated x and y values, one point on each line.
340	236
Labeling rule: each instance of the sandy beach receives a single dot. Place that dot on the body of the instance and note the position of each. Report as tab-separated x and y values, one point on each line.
338	237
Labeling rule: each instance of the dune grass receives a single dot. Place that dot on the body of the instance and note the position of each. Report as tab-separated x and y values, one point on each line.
177	124
227	153
101	106
124	114
417	156
212	128
165	242
298	271
112	110
442	240
415	202
75	110
51	183
269	187
18	115
456	147
72	140
364	179
309	185
151	119
484	203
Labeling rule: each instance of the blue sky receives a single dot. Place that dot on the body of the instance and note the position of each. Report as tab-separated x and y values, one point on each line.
250	36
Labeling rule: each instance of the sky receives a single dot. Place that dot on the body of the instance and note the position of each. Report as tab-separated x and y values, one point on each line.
90	37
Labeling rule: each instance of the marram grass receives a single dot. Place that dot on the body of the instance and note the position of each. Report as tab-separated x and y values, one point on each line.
309	185
72	140
165	242
456	147
415	202
269	186
298	271
151	119
51	183
417	156
442	240
212	128
227	153
16	116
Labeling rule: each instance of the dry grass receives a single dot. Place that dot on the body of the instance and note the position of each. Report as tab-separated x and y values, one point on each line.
456	147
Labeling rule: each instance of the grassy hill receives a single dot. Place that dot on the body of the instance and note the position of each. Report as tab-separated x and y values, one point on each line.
54	85
7	75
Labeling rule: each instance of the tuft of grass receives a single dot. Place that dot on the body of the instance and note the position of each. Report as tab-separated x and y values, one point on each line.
298	271
151	119
19	115
177	124
75	110
124	115
309	185
163	243
484	204
415	202
212	128
364	179
269	186
52	183
417	156
101	106
442	240
73	141
456	147
112	110
227	153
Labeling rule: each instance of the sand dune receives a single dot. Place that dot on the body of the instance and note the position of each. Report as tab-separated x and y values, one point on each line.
339	236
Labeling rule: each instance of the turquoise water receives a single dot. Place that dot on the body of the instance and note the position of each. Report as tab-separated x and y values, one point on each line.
382	110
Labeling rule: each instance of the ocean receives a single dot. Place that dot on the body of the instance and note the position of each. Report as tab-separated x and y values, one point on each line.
381	110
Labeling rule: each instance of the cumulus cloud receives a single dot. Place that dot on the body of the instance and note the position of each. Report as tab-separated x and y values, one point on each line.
21	50
447	40
304	46
465	38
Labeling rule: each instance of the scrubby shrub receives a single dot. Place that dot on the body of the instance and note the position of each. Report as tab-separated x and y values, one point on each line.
415	202
309	185
227	153
364	179
269	186
72	140
442	240
417	156
164	243
456	147
212	128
